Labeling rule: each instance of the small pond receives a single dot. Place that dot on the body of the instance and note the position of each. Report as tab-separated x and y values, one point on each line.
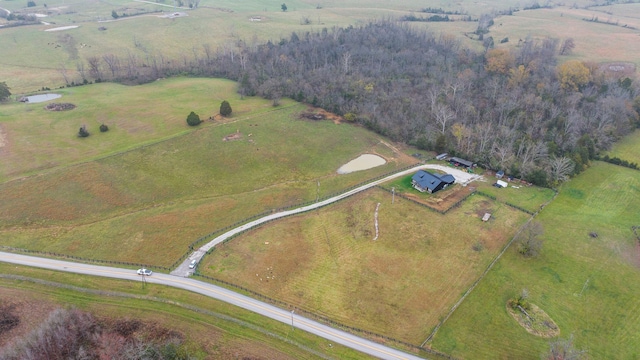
40	98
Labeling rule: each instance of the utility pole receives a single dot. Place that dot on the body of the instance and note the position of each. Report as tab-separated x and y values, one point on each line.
293	328
393	194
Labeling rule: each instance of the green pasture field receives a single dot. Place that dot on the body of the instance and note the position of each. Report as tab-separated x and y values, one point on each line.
595	42
400	285
37	139
146	205
588	285
530	198
628	148
214	328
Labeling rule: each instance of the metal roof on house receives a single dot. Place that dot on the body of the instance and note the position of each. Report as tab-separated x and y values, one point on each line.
448	178
427	180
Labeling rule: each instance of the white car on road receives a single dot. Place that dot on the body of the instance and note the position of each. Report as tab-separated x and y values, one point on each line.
145	272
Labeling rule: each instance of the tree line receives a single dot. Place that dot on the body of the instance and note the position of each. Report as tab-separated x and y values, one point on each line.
516	110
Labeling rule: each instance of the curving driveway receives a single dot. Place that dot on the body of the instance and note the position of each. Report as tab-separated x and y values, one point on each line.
178	277
333	335
462	177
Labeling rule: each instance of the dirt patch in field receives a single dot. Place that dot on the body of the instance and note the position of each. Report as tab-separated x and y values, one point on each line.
3	139
442	200
232	137
483	208
618	69
536	321
320	114
59	106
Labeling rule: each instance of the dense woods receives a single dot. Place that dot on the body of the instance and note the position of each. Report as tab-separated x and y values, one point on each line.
514	110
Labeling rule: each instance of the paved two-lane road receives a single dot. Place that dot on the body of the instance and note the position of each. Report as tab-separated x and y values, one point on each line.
216	292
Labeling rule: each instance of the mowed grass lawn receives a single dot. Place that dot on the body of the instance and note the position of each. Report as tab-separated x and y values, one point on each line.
628	148
589	286
148	204
530	198
400	285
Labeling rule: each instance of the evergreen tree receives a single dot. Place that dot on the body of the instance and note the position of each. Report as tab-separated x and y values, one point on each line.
193	119
4	91
441	143
225	108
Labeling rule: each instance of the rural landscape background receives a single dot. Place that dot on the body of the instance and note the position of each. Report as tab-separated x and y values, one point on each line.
547	92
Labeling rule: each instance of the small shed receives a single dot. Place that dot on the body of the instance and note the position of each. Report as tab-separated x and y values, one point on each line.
502	183
486	217
460	162
500	174
441	156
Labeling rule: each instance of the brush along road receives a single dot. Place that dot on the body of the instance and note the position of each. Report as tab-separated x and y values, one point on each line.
228	296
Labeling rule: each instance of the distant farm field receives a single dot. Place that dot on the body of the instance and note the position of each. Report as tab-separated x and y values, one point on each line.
328	261
149	37
595	41
147	204
588	285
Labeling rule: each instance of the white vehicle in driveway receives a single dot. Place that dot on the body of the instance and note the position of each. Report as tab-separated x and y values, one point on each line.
193	264
145	272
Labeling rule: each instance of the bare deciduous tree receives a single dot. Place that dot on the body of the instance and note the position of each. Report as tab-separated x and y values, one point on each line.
528	153
443	115
563	349
94	67
567	46
132	64
561	168
528	242
346	62
63	71
81	70
113	63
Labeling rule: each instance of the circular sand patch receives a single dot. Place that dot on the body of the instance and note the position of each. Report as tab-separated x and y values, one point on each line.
362	162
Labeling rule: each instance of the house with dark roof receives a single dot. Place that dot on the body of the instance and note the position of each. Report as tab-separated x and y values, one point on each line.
460	162
426	181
